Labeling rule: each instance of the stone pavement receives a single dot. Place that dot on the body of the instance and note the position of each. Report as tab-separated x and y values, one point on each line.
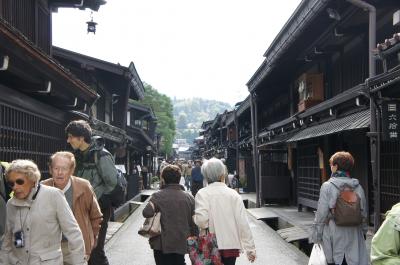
126	247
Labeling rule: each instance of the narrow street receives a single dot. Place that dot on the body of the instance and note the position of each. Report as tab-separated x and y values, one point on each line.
126	247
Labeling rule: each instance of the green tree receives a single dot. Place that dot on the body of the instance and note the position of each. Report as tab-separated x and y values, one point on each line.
181	122
163	109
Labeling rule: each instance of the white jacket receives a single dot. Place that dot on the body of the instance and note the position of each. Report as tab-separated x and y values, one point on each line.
43	220
221	209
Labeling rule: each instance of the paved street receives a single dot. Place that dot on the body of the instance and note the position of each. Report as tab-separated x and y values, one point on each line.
126	247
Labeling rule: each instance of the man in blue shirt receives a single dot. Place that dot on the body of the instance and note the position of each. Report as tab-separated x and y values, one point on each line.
197	178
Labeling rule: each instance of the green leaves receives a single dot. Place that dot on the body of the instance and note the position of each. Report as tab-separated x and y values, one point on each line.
163	109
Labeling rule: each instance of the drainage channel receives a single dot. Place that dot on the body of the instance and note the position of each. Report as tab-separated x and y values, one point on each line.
289	232
125	210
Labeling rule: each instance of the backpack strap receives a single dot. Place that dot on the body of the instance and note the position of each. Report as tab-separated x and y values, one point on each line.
334	185
97	154
96	162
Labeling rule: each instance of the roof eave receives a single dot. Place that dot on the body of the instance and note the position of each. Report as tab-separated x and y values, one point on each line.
302	16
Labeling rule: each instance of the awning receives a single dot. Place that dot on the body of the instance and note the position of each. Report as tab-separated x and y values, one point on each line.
279	139
353	121
108	131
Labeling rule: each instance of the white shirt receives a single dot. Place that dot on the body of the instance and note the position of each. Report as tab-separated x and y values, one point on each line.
221	209
67	186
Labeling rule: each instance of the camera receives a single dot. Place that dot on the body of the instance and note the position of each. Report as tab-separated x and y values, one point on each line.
19	241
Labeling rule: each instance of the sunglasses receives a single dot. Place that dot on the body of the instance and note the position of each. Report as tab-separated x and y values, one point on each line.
20	182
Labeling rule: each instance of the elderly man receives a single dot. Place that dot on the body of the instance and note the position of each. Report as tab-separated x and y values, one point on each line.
80	197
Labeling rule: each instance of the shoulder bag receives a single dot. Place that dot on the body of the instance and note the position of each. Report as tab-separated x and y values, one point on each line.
151	226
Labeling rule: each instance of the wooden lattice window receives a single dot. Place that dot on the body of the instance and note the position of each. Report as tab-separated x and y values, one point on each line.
390	175
24	135
308	171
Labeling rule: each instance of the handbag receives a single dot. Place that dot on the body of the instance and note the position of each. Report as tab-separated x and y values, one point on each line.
203	250
317	256
151	226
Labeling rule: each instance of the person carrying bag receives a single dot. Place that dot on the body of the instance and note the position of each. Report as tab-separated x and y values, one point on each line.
176	208
340	223
221	210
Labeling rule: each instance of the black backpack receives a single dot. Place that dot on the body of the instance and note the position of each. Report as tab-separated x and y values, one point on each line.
118	194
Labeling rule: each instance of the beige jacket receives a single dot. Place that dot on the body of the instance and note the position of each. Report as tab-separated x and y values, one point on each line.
221	210
42	220
86	210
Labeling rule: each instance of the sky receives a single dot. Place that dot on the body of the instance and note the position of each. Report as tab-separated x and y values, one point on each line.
182	48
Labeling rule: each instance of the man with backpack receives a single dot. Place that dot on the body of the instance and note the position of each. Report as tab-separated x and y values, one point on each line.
340	223
95	164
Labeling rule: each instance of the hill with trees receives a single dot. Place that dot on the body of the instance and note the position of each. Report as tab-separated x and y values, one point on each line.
162	107
189	114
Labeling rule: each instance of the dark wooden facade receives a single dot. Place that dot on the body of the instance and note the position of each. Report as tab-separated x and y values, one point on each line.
127	127
37	92
311	99
228	136
40	95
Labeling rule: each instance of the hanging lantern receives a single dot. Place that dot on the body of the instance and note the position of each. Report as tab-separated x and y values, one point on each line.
91	25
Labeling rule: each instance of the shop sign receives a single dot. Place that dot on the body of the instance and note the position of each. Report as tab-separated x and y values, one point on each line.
390	121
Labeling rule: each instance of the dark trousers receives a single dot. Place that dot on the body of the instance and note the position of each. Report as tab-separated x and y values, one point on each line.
144	177
98	256
228	261
168	259
195	187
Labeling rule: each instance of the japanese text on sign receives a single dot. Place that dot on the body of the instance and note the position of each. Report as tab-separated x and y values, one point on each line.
390	118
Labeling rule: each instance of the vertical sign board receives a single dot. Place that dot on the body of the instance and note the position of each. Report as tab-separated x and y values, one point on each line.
390	121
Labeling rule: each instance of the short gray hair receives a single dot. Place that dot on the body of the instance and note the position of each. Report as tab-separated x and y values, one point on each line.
213	169
25	167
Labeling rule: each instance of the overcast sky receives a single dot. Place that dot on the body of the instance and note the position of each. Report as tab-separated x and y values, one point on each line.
183	48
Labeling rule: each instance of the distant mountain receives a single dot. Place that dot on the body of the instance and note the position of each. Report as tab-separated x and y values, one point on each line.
189	114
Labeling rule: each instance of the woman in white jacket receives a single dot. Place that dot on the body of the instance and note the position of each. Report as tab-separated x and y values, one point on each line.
37	216
221	210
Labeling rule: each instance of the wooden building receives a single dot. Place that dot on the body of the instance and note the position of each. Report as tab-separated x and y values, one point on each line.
127	126
245	162
44	87
311	100
36	91
141	129
228	136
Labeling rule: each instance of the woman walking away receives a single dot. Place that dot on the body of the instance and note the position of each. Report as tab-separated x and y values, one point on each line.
340	223
221	210
177	208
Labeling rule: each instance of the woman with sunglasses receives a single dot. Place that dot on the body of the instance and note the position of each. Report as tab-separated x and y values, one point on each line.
37	217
